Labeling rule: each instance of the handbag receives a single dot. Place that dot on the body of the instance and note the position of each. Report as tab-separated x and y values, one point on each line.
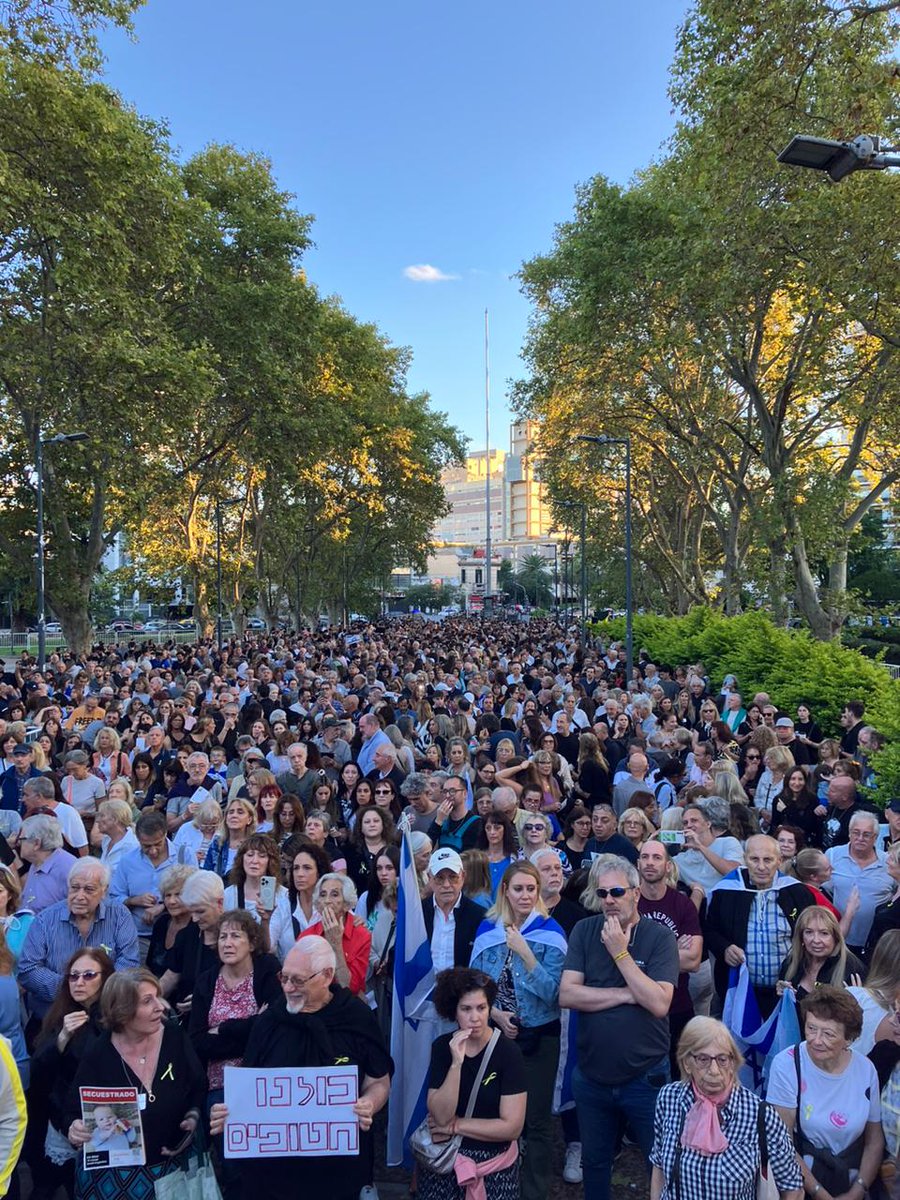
195	1180
831	1170
440	1157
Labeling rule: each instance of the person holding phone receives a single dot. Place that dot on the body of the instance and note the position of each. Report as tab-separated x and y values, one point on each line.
255	886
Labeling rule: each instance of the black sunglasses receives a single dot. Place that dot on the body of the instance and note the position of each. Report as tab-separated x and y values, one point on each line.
617	892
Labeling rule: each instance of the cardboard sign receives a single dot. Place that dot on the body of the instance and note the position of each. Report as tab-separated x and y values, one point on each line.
291	1111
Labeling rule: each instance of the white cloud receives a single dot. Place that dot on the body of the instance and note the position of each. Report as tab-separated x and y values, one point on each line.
426	273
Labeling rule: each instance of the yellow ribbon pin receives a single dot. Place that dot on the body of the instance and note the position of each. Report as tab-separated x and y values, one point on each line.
168	1073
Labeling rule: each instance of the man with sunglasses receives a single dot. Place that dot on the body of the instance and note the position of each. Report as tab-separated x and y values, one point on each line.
316	1023
619	975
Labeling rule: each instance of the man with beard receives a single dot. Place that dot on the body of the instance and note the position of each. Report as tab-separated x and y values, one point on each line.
317	1023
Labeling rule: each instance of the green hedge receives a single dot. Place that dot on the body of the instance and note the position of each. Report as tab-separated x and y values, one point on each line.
787	663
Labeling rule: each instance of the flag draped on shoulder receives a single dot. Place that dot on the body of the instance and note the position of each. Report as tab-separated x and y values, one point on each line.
759	1041
414	1023
535	929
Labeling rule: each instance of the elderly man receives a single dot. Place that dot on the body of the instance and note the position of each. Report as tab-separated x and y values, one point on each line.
859	879
195	786
566	913
136	879
330	743
13	781
39	795
751	917
620	974
784	731
40	845
298	780
84	918
451	919
373	736
605	837
420	809
843	803
386	766
635	781
156	747
317	1023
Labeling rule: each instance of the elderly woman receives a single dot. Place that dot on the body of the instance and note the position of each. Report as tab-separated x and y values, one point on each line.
174	917
259	857
334	899
139	1050
523	951
536	830
828	1097
819	955
706	1140
636	826
458	1060
194	838
113	831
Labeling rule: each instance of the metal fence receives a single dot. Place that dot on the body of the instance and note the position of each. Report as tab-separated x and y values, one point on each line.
18	643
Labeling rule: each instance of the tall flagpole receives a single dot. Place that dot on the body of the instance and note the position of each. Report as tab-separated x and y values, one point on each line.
487	471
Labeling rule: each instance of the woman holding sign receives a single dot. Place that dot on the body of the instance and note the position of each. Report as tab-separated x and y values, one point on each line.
138	1051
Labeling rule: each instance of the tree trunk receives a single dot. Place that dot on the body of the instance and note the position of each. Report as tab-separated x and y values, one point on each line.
76	623
731	585
777	582
824	623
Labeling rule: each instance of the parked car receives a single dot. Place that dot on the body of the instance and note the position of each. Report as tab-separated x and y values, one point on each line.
255	623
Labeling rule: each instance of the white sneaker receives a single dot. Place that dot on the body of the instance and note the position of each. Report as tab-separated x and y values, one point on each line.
370	1191
572	1172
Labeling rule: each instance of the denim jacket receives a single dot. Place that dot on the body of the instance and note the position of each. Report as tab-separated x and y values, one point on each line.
537	991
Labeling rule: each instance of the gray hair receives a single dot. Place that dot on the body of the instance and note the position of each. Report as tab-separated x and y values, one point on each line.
79	757
90	866
535	858
209	811
40	786
176	877
206	887
716	810
320	954
413	785
44	830
606	864
859	817
347	887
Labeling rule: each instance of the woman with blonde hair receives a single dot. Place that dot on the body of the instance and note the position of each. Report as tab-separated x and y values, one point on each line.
636	826
15	921
818	955
479	885
108	759
777	761
238	822
113	831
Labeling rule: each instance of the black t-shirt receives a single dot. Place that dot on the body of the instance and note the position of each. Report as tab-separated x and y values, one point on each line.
566	913
189	957
505	1076
621	1043
676	912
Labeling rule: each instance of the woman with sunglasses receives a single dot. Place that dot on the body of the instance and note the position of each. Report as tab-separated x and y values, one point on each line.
751	770
71	1025
384	794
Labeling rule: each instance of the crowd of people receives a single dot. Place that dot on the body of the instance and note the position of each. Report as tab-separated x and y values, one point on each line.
200	867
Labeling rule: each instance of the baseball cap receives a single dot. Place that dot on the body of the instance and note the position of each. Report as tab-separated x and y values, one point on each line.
445	859
894	805
21	750
784	723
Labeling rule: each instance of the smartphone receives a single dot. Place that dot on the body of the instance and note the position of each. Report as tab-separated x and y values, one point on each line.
671	837
267	892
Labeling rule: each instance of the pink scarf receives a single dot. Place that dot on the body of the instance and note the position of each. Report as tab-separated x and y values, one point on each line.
470	1174
702	1131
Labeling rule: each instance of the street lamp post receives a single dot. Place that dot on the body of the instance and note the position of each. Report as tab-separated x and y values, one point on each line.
603	440
839	159
220	504
39	444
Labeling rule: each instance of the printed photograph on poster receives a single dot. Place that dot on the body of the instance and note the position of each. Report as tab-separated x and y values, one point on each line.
113	1117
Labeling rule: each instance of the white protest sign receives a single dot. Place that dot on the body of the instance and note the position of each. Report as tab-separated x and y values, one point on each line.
291	1111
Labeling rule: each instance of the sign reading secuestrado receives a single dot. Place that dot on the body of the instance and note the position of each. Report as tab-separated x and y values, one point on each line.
289	1112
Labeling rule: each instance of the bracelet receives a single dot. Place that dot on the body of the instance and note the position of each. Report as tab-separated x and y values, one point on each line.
621	954
816	1190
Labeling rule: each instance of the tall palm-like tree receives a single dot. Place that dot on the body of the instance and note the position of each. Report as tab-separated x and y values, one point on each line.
534	577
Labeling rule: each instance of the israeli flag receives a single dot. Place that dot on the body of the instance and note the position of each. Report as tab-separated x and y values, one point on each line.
759	1041
414	1022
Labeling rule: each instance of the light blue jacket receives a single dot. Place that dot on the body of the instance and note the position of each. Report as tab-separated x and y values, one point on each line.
537	991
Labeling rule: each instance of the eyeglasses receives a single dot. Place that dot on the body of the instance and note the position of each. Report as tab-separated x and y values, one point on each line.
617	892
533	827
382	791
74	976
299	980
705	1061
452	791
828	1036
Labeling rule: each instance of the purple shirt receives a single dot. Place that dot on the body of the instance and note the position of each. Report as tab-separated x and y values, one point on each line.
49	882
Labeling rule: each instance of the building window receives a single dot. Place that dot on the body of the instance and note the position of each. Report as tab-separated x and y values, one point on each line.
462	575
477	577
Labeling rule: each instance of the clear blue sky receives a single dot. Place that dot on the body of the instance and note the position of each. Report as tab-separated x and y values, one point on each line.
416	133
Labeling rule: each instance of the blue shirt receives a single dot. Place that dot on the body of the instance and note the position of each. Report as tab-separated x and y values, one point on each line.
135	875
54	937
49	882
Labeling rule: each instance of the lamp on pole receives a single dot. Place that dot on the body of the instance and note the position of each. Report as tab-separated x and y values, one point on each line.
220	504
39	444
603	440
839	159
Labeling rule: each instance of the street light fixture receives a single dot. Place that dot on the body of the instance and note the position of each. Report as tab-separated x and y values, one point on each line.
39	444
839	159
604	440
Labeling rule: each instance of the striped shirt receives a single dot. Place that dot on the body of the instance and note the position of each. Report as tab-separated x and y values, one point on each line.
768	939
54	937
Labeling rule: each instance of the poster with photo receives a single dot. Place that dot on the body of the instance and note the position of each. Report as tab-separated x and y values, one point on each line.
113	1118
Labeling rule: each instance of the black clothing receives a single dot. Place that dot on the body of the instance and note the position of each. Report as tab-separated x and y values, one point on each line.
505	1077
613	845
850	739
231	1039
467	916
836	826
52	1071
852	967
785	813
344	1031
887	917
179	1085
189	958
595	783
566	913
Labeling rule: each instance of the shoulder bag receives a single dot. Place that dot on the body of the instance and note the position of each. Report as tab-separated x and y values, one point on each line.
831	1170
440	1157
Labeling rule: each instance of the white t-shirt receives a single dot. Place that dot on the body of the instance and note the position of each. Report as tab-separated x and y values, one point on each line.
72	825
694	868
834	1109
111	855
83	794
873	1015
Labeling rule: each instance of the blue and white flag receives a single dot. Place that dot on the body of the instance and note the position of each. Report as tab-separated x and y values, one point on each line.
414	1023
535	928
563	1094
759	1041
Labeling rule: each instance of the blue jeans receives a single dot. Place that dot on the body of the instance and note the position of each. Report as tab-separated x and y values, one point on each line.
602	1109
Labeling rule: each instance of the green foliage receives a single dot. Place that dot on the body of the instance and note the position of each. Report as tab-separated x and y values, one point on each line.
64	31
788	664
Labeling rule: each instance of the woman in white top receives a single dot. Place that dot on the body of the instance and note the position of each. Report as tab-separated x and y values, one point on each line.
777	761
308	863
880	998
257	857
114	832
196	835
